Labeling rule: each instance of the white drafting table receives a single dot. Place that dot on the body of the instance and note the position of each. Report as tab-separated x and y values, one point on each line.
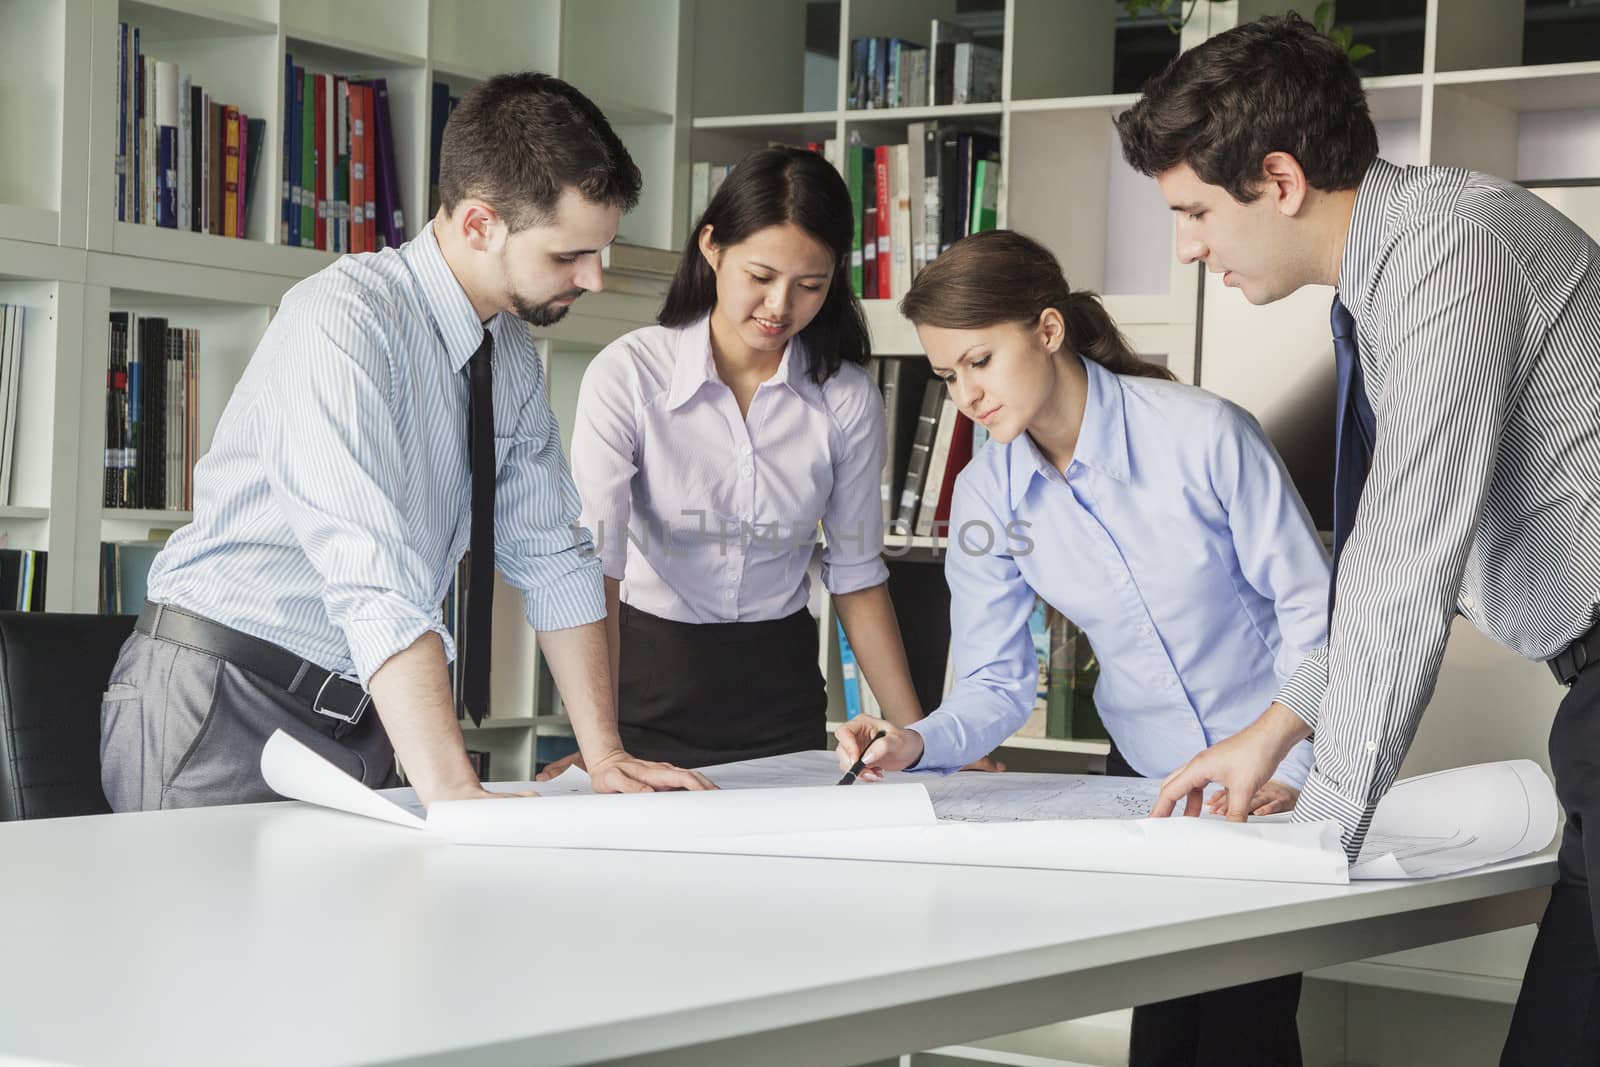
283	934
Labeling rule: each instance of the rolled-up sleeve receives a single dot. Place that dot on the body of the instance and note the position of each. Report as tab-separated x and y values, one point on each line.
852	521
540	547
331	456
996	669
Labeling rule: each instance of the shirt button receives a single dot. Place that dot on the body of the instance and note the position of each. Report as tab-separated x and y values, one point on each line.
1145	631
745	451
1122	580
727	594
747	470
1372	746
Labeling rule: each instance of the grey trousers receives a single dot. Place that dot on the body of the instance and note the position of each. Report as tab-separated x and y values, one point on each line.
183	729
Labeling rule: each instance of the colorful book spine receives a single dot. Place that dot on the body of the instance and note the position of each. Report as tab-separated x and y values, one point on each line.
166	118
308	159
848	673
230	172
391	214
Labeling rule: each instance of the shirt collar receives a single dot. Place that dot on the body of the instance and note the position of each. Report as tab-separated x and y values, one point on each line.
444	298
1102	439
1377	200
693	367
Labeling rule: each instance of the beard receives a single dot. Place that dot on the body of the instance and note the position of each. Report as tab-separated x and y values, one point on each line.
546	314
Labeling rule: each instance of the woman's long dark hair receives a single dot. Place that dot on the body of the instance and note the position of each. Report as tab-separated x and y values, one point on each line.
769	188
1001	276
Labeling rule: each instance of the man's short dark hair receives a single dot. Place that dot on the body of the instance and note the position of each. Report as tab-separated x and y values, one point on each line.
1273	85
516	141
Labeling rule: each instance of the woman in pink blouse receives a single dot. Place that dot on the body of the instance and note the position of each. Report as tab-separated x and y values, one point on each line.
709	449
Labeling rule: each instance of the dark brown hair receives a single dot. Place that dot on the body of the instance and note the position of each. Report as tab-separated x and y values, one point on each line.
1273	85
1001	276
771	187
516	141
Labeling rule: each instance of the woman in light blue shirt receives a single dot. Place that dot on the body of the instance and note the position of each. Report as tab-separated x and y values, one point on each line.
1154	515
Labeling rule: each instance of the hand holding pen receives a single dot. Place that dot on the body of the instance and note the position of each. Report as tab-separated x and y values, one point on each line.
861	764
876	746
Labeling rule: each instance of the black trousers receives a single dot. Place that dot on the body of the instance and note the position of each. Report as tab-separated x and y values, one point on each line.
1557	1019
1250	1025
699	694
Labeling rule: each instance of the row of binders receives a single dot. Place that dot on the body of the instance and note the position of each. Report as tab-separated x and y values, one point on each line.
915	200
152	413
1063	705
184	161
951	69
124	575
22	574
929	442
341	185
11	322
912	201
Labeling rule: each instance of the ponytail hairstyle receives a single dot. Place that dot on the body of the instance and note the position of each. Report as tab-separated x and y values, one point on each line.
1001	276
772	187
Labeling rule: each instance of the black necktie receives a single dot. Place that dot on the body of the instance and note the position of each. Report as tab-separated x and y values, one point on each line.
1355	434
480	543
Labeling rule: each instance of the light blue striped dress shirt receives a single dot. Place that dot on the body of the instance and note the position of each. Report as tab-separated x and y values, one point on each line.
1175	540
333	506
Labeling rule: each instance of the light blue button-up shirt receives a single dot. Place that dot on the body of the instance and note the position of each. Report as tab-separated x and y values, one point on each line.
1175	540
334	504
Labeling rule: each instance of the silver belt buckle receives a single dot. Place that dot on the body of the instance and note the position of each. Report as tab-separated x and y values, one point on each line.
350	719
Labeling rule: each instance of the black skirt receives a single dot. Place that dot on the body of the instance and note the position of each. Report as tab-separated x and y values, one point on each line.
697	694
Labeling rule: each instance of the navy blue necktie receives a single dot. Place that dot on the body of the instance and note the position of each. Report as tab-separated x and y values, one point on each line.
1356	431
480	541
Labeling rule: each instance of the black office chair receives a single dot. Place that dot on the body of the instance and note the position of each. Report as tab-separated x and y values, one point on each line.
53	671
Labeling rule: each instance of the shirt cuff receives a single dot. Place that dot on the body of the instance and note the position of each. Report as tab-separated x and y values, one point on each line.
842	578
943	741
575	598
1321	800
385	625
1302	693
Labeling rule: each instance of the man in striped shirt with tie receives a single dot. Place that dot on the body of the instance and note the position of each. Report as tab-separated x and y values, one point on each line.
1467	336
393	415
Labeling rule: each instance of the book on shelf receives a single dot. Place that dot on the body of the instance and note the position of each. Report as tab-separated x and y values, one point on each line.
152	414
849	673
927	426
340	188
1039	632
11	323
124	575
902	382
170	142
952	68
1073	671
440	107
22	579
547	748
914	200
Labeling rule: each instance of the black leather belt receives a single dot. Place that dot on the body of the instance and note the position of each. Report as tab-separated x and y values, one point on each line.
1581	654
329	694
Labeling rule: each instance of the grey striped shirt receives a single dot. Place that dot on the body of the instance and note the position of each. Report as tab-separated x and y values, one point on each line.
333	505
1477	308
